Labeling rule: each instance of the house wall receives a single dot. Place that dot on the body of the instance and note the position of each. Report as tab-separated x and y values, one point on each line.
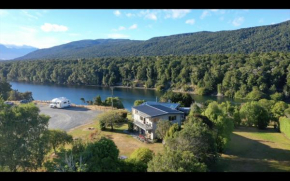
151	121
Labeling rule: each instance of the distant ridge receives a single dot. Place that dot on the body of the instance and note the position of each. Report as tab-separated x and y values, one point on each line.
9	52
247	40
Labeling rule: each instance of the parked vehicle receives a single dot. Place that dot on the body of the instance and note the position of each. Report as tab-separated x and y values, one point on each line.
24	101
60	102
9	103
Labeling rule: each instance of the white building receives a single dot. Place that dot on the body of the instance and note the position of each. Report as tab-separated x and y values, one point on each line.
147	115
60	102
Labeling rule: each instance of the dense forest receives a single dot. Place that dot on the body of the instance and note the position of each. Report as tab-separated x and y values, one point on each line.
247	40
253	76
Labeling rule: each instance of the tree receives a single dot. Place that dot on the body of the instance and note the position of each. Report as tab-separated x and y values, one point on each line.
117	103
83	100
184	99
143	155
59	138
98	100
254	114
5	88
277	96
23	137
101	156
162	127
255	94
172	130
197	138
175	161
278	110
221	116
111	118
138	102
194	109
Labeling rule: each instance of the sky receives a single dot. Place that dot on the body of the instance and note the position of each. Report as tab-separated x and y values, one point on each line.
44	28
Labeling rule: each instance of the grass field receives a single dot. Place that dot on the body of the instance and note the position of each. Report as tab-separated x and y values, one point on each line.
125	143
253	150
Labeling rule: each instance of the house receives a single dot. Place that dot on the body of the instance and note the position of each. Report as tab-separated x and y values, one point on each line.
147	115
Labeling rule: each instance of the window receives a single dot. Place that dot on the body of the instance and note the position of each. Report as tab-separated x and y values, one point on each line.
141	118
136	111
172	118
64	102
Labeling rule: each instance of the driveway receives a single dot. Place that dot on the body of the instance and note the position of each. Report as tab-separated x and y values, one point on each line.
68	118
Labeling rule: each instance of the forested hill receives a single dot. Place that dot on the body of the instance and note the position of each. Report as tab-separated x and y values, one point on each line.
256	39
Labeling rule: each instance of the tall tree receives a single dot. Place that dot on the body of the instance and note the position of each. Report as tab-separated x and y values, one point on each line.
23	137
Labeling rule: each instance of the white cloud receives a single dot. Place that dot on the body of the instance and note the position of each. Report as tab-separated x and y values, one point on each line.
117	13
3	13
174	14
151	16
222	18
130	15
190	21
116	35
205	14
28	36
238	21
28	15
47	27
134	26
148	14
214	10
261	20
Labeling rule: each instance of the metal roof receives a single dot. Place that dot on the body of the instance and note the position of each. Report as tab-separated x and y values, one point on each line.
156	110
166	104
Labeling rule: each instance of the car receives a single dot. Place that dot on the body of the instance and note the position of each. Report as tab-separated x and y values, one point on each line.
24	101
9	103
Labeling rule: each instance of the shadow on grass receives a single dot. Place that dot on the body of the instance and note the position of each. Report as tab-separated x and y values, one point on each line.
244	154
76	109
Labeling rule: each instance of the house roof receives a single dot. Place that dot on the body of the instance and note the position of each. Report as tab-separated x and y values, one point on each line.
156	110
166	104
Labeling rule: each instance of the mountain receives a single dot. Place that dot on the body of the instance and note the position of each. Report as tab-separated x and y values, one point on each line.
247	40
8	52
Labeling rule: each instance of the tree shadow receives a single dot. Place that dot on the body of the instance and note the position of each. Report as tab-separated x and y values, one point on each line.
244	154
76	109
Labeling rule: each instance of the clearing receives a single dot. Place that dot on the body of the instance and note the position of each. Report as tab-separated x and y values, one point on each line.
253	150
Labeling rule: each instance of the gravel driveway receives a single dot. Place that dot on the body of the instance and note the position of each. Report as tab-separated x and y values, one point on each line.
68	118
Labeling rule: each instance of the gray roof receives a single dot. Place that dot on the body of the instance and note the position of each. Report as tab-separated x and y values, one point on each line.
166	104
156	110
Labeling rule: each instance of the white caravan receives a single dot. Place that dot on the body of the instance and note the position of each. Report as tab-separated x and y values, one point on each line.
60	102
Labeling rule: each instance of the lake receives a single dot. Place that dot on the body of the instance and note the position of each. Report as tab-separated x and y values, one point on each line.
74	93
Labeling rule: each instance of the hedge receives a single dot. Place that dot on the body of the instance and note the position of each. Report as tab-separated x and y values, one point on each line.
285	126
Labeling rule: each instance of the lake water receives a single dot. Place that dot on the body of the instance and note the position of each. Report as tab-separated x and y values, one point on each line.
74	93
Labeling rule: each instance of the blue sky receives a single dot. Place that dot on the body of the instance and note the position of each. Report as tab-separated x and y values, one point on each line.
47	28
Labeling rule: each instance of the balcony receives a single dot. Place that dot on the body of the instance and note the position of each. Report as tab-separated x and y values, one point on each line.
142	125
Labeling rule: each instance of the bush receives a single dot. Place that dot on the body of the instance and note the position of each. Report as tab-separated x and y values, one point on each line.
287	112
285	126
130	126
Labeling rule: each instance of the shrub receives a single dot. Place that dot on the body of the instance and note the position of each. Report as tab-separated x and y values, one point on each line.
285	126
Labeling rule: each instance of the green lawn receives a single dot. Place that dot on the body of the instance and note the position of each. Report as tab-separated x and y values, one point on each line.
253	150
125	143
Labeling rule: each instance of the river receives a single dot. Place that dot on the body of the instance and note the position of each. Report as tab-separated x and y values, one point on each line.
74	93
